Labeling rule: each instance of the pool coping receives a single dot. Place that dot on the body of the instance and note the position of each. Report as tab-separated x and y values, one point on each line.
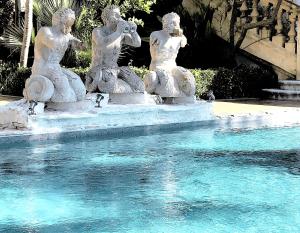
285	118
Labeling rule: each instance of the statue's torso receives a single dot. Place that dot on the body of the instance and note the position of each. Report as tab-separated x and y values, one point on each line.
164	54
45	55
106	55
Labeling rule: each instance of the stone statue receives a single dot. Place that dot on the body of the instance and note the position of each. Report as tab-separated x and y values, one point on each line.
50	82
166	78
105	75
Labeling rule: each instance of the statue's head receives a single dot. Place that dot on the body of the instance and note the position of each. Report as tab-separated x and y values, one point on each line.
64	19
171	24
111	15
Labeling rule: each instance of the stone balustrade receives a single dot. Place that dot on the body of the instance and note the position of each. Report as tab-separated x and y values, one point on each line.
277	43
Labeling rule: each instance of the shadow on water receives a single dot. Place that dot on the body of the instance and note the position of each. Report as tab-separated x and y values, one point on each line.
288	159
13	168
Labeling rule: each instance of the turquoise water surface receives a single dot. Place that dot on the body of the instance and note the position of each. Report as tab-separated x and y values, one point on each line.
203	180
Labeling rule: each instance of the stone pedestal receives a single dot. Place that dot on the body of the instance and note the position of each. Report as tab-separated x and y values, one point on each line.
133	98
179	100
80	106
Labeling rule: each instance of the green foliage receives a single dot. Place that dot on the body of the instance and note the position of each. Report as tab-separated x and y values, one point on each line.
12	79
251	80
140	71
84	58
74	58
85	22
243	82
127	7
6	13
80	71
204	79
224	83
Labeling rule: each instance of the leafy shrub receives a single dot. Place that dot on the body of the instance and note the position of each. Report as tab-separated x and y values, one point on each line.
251	80
84	58
80	71
243	81
12	79
6	13
223	84
204	79
140	71
70	58
74	58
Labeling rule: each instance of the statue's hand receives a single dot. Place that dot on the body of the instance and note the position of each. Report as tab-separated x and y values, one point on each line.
132	26
77	44
123	27
183	42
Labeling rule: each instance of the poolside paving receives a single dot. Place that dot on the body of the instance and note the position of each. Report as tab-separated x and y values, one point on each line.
223	108
5	99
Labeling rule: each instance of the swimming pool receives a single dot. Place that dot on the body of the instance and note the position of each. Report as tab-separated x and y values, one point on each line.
201	180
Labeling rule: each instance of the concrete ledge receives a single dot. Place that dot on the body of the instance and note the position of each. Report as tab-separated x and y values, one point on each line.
111	120
276	119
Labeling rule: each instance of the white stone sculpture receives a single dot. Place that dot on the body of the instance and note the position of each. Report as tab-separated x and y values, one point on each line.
166	78
105	75
50	82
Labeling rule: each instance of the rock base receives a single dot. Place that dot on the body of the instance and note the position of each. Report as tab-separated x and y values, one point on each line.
133	98
15	115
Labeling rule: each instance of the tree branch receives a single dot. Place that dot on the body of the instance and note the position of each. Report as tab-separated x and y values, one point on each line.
262	23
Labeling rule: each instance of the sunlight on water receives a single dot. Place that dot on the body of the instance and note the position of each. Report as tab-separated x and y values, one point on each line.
204	180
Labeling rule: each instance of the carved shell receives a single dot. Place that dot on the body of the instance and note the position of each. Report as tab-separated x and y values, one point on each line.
38	88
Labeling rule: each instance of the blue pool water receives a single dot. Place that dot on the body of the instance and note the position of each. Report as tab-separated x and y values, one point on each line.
203	180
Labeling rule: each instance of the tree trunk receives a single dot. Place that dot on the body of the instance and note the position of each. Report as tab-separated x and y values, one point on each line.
27	33
17	13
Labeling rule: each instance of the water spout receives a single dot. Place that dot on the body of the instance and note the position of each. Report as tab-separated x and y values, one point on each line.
98	100
32	105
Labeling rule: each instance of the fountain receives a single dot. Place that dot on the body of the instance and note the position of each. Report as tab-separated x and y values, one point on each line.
56	102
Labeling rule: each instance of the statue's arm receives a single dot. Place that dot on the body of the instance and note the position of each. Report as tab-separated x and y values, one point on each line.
75	42
183	41
132	38
154	40
46	37
100	39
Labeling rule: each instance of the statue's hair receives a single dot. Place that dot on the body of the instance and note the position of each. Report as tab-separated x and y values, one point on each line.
61	16
166	18
106	11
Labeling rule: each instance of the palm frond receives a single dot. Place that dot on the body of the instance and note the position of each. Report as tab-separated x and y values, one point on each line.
13	37
44	9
